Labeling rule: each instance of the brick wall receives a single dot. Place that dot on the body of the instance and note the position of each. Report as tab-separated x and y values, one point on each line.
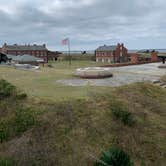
154	57
134	58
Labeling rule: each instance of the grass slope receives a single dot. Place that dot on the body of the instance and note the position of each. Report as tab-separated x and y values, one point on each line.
77	131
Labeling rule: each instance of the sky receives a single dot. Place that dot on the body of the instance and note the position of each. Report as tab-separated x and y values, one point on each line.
139	24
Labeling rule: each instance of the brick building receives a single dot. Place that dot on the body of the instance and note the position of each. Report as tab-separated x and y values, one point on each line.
112	54
142	57
39	51
53	55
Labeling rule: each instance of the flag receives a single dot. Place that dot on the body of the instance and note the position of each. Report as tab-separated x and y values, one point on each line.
65	41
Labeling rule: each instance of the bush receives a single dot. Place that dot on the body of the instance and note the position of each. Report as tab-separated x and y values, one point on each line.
114	157
7	162
21	96
23	119
120	112
6	89
50	65
4	131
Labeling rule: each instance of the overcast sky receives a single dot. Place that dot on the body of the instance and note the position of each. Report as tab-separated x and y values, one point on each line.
88	23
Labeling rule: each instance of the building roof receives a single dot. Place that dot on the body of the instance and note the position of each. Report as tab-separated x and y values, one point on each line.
150	50
161	50
132	51
25	58
107	48
25	47
11	56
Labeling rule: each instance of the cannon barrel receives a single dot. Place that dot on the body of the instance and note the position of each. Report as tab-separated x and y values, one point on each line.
163	57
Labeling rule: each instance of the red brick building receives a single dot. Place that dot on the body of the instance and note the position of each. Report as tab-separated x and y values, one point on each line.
142	57
112	54
53	55
39	51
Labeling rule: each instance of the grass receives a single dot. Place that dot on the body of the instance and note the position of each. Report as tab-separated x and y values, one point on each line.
77	131
120	112
15	118
6	89
43	84
90	120
7	162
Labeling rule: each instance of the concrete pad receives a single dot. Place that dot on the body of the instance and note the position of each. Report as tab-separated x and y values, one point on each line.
122	76
162	66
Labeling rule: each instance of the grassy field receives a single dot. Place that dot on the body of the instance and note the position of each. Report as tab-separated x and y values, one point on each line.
77	131
68	126
43	85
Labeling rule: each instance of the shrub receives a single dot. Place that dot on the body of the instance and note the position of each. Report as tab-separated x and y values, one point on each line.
21	96
6	89
119	111
7	162
114	157
24	118
4	131
50	65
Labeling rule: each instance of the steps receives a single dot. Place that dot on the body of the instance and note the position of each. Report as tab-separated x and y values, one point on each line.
159	83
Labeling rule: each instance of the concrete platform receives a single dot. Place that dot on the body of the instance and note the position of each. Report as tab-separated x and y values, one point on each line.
162	66
122	76
93	72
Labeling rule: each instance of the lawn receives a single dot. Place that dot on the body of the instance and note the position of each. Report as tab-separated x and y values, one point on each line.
43	85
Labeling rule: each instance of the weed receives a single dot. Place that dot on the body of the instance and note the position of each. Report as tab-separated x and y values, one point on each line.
119	111
24	118
7	162
21	96
6	89
114	157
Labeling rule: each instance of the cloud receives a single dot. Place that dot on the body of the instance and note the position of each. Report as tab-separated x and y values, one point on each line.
88	23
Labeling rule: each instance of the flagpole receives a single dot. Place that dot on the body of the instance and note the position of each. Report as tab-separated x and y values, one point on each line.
69	51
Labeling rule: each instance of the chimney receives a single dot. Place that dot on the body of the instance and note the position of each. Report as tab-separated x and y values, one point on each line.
44	45
5	45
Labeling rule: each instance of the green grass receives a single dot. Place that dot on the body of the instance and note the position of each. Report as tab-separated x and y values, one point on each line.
43	84
114	157
7	162
120	112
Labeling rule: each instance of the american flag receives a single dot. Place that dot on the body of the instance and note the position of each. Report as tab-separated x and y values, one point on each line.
65	41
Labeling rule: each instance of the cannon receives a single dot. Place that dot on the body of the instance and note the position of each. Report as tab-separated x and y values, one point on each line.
163	57
3	58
